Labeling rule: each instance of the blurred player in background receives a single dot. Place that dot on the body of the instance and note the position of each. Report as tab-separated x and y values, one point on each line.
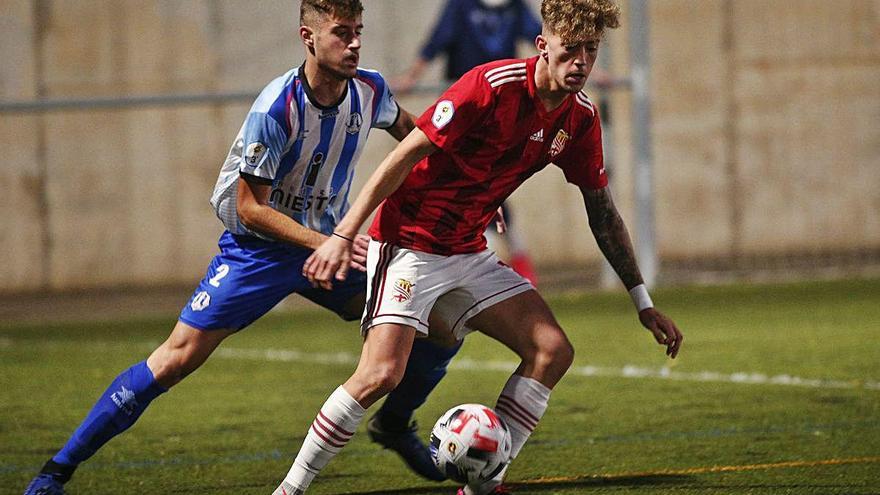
498	125
469	33
281	191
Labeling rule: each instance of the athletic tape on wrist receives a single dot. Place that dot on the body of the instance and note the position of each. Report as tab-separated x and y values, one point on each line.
640	297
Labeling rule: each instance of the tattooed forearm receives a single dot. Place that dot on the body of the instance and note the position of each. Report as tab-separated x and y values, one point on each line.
612	236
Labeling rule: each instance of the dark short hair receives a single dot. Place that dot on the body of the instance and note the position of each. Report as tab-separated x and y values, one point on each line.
310	10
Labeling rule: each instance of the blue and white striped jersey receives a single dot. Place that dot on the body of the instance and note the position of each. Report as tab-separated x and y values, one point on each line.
307	151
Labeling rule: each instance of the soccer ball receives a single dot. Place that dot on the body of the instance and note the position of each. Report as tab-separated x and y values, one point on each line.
470	443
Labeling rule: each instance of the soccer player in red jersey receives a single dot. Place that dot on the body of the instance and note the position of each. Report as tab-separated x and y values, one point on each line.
494	128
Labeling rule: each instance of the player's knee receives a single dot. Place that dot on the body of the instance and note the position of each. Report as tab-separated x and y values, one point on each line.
554	353
385	378
564	356
170	366
167	372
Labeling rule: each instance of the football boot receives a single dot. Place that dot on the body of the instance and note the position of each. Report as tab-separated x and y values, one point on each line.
498	490
44	484
407	445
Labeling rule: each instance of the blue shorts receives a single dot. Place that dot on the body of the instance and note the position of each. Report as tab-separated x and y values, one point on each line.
250	276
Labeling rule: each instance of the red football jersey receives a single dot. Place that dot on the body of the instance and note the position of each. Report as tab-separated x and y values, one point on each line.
493	133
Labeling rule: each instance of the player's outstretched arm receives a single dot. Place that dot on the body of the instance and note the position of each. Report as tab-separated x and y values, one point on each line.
255	213
614	242
331	259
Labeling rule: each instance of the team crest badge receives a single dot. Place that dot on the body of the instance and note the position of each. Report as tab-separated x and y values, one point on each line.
559	142
443	113
402	290
354	123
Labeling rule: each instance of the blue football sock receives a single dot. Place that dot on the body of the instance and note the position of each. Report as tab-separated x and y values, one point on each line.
116	410
424	370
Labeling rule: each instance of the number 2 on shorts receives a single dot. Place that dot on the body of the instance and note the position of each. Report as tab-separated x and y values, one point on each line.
222	271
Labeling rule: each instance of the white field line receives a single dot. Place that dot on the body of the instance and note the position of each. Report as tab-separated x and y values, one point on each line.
629	371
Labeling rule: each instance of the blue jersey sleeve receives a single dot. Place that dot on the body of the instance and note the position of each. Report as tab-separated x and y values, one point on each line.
262	146
266	130
386	108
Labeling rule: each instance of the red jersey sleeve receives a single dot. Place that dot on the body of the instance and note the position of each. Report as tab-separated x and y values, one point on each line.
461	108
582	159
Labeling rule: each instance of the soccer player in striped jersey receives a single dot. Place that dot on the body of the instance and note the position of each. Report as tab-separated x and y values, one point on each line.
281	191
498	125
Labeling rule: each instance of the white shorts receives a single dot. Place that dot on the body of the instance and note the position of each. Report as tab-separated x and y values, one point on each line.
404	285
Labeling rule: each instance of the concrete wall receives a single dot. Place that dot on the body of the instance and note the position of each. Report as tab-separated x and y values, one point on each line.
766	130
22	201
767	126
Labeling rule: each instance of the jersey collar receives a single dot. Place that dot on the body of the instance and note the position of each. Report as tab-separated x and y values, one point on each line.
314	101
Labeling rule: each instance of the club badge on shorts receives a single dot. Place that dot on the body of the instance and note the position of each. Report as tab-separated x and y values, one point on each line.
402	290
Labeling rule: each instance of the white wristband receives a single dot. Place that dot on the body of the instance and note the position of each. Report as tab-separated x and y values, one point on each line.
640	297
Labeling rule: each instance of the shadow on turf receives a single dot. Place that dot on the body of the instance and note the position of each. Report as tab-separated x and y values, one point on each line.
551	485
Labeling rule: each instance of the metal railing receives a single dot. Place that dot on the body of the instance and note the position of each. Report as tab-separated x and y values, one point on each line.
123	102
164	100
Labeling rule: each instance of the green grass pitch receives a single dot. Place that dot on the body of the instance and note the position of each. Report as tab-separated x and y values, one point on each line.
776	391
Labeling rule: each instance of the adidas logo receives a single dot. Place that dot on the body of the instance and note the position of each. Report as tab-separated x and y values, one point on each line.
124	399
538	136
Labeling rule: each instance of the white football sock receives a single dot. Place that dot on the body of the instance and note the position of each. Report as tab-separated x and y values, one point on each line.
521	404
335	424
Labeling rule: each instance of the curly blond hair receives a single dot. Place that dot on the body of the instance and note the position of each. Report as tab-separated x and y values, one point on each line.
310	10
576	21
